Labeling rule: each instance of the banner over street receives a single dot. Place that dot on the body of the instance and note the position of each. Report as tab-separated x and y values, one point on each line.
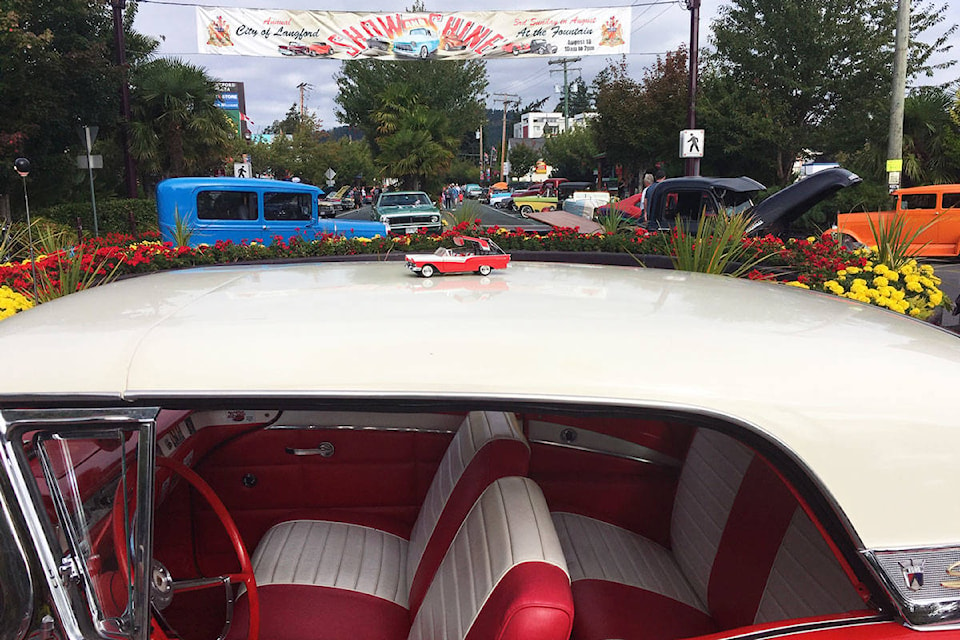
461	35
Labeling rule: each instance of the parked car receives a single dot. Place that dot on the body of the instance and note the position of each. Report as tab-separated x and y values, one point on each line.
930	215
468	255
745	473
551	194
628	208
407	212
542	47
319	49
472	191
377	46
248	209
333	203
419	42
516	48
687	199
499	198
450	42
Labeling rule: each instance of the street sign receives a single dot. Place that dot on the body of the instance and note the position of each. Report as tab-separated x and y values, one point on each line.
96	162
88	135
893	180
330	174
895	165
691	143
242	170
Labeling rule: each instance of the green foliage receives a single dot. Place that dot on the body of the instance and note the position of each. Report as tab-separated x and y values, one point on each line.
581	99
716	247
467	214
523	158
182	232
177	129
572	154
893	240
637	122
614	222
113	215
463	171
71	275
792	75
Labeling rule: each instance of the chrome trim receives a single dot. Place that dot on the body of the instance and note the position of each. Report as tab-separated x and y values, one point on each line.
141	420
325	450
22	578
348	427
579	439
807	627
930	613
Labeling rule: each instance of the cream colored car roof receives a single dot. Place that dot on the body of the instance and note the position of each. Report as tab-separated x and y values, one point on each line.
861	396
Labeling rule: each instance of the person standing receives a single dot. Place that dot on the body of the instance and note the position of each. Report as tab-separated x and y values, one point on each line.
647	181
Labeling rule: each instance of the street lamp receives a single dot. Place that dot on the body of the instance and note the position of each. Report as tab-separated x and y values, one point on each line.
22	167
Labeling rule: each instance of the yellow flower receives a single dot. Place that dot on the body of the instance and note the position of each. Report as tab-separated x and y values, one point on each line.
936	297
853	270
842	273
811	239
797	284
880	281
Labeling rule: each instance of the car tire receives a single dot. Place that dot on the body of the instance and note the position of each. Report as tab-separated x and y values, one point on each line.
485	270
516	52
525	209
498	205
424	53
427	271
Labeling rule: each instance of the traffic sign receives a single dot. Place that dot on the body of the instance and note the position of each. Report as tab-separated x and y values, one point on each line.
691	143
242	170
96	162
330	174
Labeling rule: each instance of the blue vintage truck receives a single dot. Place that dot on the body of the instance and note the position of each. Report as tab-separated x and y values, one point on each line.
249	209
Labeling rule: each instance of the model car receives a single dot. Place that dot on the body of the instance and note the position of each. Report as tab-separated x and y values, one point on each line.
407	212
240	451
450	42
516	48
469	255
319	49
294	49
377	46
419	42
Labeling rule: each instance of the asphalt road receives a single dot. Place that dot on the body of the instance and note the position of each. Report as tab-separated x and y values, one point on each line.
489	216
949	272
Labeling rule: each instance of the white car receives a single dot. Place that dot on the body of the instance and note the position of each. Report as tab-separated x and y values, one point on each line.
391	458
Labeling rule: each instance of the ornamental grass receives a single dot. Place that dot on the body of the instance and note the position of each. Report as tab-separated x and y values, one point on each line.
820	264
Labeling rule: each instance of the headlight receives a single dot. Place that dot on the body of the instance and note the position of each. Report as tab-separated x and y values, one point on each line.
434	218
384	220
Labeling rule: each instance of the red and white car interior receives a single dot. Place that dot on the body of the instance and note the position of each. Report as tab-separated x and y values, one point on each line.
482	524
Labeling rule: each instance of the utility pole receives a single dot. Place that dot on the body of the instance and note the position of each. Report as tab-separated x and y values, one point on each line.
566	88
895	141
129	166
693	164
505	98
303	86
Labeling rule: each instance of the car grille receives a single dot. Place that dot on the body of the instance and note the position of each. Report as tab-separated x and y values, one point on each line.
403	47
416	220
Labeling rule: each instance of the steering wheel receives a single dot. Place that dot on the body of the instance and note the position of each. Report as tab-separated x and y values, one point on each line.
163	586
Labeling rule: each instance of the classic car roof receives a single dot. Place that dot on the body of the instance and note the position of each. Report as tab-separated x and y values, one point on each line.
859	395
177	184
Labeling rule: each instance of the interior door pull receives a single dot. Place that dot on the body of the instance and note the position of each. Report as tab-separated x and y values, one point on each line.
324	449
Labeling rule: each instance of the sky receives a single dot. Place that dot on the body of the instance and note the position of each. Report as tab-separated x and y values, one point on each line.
270	84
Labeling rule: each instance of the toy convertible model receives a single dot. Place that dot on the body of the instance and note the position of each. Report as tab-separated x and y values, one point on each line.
481	256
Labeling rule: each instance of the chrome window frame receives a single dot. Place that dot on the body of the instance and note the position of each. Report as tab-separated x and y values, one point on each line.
64	594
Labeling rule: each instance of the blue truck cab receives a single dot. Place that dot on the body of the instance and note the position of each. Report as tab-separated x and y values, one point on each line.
249	209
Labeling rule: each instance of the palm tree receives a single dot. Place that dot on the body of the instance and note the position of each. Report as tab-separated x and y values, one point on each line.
177	128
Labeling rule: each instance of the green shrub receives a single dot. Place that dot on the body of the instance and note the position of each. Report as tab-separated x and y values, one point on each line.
113	215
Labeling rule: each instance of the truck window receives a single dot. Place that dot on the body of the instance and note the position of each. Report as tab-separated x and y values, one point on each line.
286	206
227	205
910	201
951	200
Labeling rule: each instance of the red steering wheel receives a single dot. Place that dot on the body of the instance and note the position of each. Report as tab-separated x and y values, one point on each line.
163	586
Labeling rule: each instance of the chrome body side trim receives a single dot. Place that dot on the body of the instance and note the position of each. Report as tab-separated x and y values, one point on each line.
932	603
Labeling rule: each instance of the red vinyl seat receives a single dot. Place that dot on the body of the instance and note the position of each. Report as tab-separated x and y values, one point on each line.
742	551
503	577
300	564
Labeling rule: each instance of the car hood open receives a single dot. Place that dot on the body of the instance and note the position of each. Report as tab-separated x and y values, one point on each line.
776	212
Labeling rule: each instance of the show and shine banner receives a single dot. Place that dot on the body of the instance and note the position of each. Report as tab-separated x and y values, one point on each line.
399	36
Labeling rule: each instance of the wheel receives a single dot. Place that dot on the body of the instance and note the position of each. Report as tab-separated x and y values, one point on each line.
427	270
163	586
516	52
498	204
485	269
525	209
424	53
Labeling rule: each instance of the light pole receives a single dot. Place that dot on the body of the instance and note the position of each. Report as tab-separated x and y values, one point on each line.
22	167
693	164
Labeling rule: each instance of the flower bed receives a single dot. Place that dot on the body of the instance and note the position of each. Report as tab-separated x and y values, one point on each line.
819	264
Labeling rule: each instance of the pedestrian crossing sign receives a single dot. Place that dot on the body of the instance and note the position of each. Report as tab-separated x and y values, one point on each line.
691	143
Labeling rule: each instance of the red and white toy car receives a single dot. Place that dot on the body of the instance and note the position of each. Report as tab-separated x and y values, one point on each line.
481	256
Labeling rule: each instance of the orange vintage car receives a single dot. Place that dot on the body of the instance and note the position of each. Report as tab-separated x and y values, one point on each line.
933	210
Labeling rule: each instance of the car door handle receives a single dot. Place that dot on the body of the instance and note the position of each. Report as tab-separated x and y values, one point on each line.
324	449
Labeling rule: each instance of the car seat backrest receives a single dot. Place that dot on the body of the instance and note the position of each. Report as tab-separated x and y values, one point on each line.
744	542
487	446
504	575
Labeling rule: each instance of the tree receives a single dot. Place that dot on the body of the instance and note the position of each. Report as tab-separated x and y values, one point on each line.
454	89
291	122
572	154
793	75
581	99
523	158
177	128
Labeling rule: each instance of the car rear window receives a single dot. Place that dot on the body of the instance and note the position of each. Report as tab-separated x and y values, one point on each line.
951	200
227	205
287	206
918	201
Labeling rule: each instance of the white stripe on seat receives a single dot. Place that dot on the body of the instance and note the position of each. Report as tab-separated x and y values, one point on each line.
334	554
597	550
509	525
